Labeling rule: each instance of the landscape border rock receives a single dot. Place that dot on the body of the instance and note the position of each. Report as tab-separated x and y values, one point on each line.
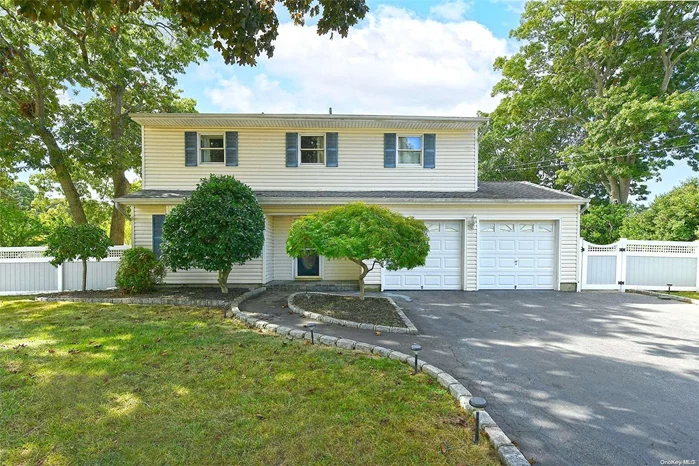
222	303
409	328
657	294
508	453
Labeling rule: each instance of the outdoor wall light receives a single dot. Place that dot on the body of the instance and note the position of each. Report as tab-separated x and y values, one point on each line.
472	222
311	325
416	349
478	403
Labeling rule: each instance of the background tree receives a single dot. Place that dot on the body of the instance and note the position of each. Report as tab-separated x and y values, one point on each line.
18	227
360	232
128	61
601	224
220	225
241	29
604	93
671	217
79	242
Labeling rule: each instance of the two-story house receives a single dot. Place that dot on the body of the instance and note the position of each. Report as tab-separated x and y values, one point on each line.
487	235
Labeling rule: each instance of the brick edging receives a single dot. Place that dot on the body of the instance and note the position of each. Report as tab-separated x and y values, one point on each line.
656	294
409	328
508	453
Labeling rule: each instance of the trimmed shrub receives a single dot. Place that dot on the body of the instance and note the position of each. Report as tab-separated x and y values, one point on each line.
139	271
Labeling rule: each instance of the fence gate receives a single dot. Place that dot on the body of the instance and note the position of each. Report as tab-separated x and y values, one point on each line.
644	265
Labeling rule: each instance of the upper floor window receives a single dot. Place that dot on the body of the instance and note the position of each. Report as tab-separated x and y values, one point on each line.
312	149
211	148
409	150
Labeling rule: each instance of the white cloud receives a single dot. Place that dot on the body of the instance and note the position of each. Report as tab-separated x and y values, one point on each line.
393	63
450	10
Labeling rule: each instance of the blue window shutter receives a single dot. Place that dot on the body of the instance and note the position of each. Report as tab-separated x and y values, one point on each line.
231	148
331	142
292	149
429	150
190	149
389	150
157	233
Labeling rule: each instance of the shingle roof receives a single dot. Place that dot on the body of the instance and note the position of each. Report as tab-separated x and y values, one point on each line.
488	191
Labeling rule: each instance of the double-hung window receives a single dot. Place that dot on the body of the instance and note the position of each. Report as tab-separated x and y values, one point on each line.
211	148
312	149
409	151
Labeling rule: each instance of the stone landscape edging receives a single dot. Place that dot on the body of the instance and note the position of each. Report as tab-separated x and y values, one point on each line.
508	453
409	328
657	294
162	301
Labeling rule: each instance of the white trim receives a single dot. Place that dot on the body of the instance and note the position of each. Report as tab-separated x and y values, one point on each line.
324	149
143	157
199	148
345	200
295	271
398	150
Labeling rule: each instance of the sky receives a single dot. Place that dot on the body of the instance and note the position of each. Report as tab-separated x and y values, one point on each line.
415	57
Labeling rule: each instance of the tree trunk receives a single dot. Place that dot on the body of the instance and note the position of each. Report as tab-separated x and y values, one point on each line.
56	160
223	280
362	274
121	184
121	188
619	188
84	274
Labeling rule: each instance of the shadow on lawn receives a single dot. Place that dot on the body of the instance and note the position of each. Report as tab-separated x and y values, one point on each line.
575	378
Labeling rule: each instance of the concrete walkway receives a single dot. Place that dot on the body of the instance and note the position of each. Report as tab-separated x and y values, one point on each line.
573	378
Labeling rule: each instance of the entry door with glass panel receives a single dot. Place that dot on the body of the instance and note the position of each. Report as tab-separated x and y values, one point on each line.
308	266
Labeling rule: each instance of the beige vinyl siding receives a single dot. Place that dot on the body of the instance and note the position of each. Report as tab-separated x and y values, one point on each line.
262	163
339	270
250	273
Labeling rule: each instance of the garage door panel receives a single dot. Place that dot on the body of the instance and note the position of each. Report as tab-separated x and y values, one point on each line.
443	266
516	254
526	245
506	245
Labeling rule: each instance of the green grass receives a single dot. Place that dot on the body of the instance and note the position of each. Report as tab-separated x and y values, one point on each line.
686	294
116	384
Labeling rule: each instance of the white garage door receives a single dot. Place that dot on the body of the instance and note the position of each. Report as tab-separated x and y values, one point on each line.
516	255
442	269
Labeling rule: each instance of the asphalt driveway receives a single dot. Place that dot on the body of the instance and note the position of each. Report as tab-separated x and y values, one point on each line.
574	378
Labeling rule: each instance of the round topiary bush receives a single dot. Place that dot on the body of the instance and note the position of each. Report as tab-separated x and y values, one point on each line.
139	271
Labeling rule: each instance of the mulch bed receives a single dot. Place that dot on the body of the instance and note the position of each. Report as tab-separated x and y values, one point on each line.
161	293
377	311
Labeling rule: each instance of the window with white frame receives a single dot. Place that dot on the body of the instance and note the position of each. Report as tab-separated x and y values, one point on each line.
211	148
409	150
312	148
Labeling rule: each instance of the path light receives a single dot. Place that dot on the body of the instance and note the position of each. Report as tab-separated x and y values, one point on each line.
478	403
311	325
416	349
669	285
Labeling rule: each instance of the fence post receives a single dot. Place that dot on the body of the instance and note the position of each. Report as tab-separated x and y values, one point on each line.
583	264
621	264
59	272
696	253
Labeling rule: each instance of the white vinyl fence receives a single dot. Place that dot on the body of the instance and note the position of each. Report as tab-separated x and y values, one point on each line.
27	270
642	265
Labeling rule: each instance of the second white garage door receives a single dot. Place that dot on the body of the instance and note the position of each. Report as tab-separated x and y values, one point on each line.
442	269
516	255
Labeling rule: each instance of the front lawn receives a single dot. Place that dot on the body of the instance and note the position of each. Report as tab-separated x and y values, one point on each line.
377	311
117	384
686	294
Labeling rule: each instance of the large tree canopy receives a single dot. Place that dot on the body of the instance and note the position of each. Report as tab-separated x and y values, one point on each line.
361	232
241	29
128	61
600	95
220	225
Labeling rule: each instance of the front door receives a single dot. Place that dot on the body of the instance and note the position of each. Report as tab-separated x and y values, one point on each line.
308	266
